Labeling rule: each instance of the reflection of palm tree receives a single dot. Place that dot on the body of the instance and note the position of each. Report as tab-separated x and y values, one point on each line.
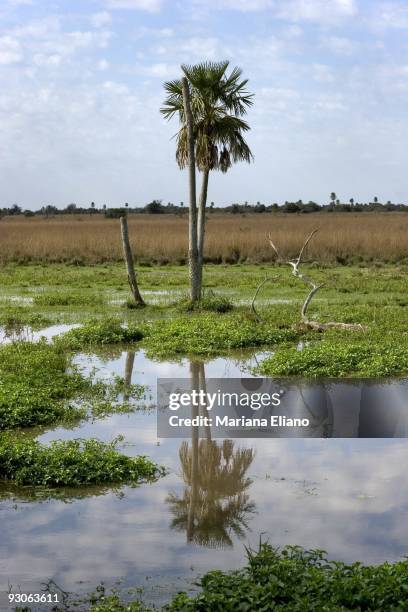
203	387
215	503
130	359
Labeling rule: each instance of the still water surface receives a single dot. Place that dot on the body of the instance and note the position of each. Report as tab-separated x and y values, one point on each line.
347	496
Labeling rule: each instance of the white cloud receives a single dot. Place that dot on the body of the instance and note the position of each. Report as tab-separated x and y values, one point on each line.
245	6
201	48
391	15
330	103
103	64
322	73
152	6
98	20
144	32
292	31
116	88
47	60
72	95
45	42
292	10
191	49
339	44
320	11
163	70
20	2
10	50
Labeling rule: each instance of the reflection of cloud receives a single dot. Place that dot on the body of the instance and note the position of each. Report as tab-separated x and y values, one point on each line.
336	495
346	496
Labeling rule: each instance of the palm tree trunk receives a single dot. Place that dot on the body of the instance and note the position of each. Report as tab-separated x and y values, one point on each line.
193	263
127	252
201	222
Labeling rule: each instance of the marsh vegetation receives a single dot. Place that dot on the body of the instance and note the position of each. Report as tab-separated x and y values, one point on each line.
162	239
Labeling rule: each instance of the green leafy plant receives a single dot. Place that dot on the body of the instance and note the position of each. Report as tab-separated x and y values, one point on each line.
99	332
37	381
71	463
207	334
40	385
209	302
67	299
296	579
338	359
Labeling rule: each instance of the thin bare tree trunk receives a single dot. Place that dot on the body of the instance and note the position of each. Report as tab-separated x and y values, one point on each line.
194	268
127	252
201	222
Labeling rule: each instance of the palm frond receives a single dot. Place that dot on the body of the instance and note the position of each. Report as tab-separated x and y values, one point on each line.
218	102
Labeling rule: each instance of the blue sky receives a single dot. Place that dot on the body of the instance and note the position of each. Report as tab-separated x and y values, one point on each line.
82	87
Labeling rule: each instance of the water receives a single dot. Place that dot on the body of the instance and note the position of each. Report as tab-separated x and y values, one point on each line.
347	496
26	333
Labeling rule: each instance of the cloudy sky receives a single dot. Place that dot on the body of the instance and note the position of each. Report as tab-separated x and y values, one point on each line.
81	87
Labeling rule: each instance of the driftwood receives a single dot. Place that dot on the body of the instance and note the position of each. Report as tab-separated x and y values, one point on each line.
314	288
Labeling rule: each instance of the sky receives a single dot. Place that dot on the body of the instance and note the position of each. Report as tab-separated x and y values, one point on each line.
82	85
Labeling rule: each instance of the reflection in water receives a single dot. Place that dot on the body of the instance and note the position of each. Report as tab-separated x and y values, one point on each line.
320	412
357	509
67	495
130	360
18	332
214	504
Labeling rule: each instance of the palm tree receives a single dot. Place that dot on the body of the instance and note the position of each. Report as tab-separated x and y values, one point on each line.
218	102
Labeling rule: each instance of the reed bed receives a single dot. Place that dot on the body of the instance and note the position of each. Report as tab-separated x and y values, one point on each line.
343	238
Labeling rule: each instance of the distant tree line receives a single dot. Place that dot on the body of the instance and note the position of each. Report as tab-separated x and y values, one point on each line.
156	207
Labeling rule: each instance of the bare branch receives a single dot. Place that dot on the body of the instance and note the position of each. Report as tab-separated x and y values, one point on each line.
295	263
334	325
261	284
308	239
307	301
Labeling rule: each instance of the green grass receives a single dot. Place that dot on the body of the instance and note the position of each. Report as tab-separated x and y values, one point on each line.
290	579
62	298
338	359
293	579
39	385
100	332
211	334
71	463
210	302
13	317
374	296
37	382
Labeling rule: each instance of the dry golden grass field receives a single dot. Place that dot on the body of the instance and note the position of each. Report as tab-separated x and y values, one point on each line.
343	237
